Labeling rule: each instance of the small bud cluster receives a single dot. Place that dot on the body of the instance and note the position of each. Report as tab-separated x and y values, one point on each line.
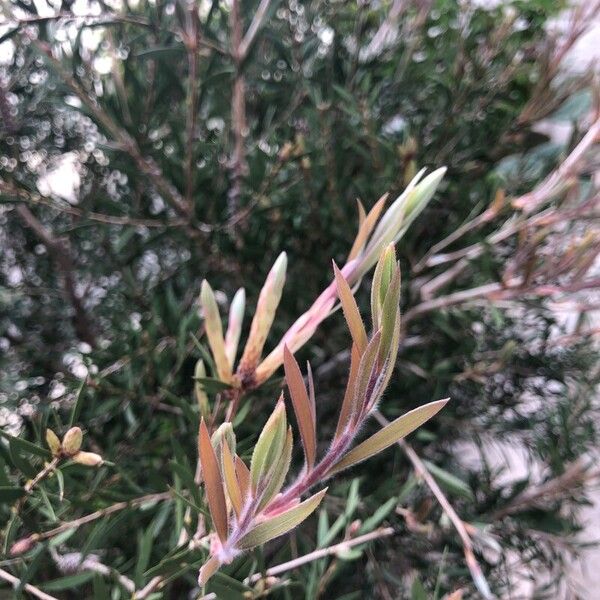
70	448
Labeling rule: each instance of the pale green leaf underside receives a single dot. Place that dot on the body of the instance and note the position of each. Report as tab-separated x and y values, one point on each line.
390	434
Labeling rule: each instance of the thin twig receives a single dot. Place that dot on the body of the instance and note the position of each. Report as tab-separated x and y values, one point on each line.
31	589
37	199
103	512
191	44
459	525
238	164
253	29
321	553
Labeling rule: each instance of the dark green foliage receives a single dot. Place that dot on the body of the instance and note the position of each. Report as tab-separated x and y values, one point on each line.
325	125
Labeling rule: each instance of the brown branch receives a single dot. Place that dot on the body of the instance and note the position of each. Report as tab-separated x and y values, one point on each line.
191	43
65	264
459	525
570	167
253	29
38	199
238	163
30	589
575	474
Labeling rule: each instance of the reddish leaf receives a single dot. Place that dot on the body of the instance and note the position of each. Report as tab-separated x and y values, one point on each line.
212	482
301	403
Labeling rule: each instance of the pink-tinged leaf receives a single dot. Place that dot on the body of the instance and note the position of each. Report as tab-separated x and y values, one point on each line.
243	476
208	569
267	450
311	395
390	434
353	318
214	331
282	523
212	482
234	325
366	226
366	377
349	395
278	473
268	301
301	403
231	483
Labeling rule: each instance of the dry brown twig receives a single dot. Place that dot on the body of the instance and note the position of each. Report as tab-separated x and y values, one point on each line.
459	525
30	589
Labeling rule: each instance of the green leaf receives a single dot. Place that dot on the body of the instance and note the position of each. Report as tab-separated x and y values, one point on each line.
76	410
417	591
20	462
10	494
390	434
270	443
212	385
378	516
282	523
70	582
450	482
25	445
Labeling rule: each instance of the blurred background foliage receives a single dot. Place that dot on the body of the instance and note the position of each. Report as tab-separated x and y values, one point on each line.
130	169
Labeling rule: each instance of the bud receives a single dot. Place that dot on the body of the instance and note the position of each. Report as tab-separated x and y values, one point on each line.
223	434
89	459
23	545
234	325
269	298
201	396
214	331
72	441
53	442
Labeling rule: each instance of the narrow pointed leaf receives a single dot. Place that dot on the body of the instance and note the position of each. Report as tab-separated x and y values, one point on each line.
231	482
349	395
268	301
366	226
243	476
269	445
282	523
301	403
390	434
208	569
212	482
389	314
353	318
382	278
279	472
366	377
311	395
214	331
234	325
199	391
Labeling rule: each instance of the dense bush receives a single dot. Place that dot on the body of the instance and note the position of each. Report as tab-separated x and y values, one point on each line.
152	145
